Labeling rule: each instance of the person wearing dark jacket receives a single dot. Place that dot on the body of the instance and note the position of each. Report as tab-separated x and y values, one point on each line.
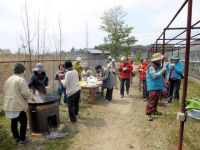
38	80
60	75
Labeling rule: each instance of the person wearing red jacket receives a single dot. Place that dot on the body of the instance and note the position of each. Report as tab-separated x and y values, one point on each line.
125	68
142	69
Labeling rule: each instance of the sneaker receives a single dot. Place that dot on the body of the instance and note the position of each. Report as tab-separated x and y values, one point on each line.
157	113
144	99
169	101
122	96
150	118
106	101
15	141
72	121
23	142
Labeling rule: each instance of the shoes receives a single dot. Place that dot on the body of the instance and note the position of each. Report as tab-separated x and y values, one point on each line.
144	99
106	101
25	142
72	121
15	141
169	101
149	117
122	96
22	142
157	113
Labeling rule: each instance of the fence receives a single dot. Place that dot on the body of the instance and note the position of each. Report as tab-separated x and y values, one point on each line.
6	70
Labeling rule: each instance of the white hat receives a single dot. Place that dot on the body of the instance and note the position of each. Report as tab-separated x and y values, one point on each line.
108	65
78	58
109	57
123	58
113	60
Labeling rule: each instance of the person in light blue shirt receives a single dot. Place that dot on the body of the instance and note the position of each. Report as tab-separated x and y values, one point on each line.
175	75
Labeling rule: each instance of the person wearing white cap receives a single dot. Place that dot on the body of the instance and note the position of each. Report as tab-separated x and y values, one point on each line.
155	84
125	68
77	66
109	59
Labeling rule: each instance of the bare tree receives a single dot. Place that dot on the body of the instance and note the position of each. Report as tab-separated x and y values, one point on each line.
26	38
38	39
60	38
44	41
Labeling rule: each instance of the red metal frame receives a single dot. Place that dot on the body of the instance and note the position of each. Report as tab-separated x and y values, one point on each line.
167	46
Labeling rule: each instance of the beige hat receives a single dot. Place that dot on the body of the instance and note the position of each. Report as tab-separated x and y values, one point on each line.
157	56
123	58
109	65
113	60
78	59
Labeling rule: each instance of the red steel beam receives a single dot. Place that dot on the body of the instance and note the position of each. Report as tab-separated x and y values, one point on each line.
185	83
181	28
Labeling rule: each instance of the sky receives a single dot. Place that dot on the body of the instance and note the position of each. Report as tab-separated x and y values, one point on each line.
148	17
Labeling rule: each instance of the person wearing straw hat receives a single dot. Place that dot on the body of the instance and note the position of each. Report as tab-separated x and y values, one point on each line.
38	80
155	83
125	69
175	75
77	66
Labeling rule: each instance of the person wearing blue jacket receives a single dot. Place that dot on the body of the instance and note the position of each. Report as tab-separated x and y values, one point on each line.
175	75
155	84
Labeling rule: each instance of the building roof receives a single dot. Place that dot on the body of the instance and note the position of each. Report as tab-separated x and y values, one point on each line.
96	51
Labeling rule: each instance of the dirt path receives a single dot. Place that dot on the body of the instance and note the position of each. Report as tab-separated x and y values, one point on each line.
113	126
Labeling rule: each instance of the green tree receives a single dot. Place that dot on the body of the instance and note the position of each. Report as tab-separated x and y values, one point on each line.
118	39
138	54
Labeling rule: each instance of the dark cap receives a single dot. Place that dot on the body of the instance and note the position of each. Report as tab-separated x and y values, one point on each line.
19	68
68	64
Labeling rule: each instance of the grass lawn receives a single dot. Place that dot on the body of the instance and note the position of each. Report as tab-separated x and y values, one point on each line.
166	135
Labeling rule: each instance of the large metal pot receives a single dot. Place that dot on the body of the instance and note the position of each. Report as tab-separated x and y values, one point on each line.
44	115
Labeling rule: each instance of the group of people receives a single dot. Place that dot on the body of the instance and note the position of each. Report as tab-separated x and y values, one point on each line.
18	92
154	73
110	73
160	79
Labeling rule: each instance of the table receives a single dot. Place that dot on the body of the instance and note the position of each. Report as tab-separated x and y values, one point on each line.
91	87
